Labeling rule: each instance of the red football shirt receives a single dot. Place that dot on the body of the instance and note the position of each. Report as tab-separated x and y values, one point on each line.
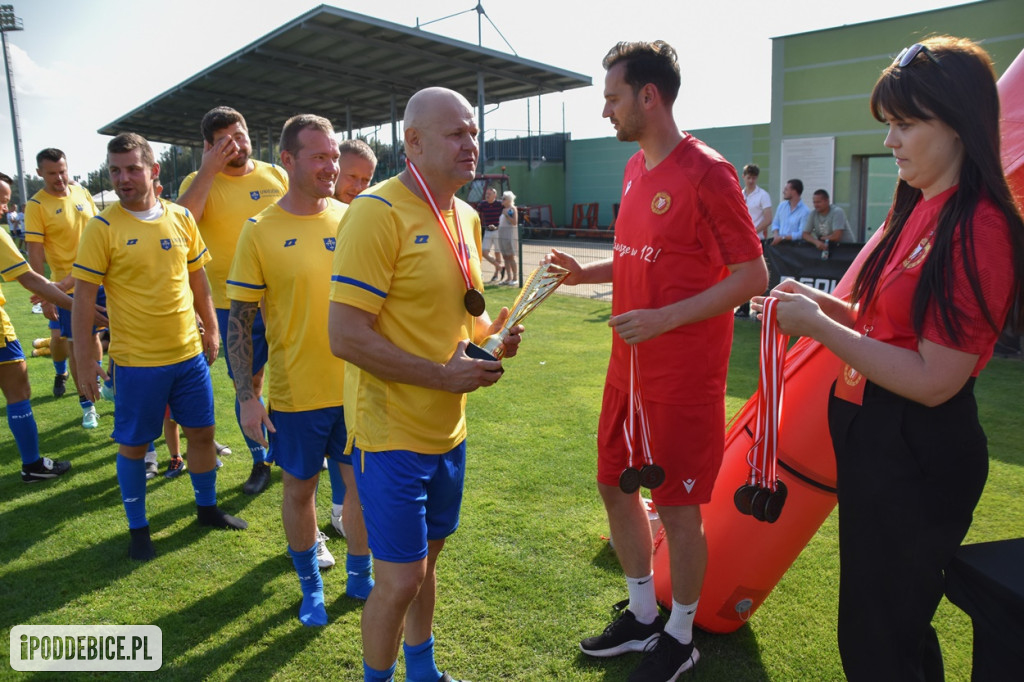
680	224
888	317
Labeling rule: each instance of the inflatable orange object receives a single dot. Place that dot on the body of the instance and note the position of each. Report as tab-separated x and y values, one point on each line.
747	558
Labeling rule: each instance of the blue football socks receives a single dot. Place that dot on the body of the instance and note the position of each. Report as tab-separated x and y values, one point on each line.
419	662
337	482
312	612
131	476
360	582
60	366
205	487
371	675
26	434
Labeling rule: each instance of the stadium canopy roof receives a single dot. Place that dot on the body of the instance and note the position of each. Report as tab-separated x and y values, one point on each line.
356	70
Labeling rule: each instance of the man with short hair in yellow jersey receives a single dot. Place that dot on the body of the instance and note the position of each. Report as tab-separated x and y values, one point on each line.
54	219
404	295
284	257
227	190
13	370
150	256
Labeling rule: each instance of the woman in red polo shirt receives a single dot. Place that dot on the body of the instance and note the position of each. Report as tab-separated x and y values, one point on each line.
925	313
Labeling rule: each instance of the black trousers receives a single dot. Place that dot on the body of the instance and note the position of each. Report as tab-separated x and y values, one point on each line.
909	477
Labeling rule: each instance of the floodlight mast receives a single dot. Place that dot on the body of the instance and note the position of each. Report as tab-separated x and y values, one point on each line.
10	22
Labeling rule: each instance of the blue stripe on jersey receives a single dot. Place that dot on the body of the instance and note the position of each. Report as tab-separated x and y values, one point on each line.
199	256
102	219
40	234
82	267
373	196
16	265
35	201
356	283
244	285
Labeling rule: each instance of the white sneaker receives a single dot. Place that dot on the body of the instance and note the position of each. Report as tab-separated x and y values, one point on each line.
336	522
323	555
37	308
90	420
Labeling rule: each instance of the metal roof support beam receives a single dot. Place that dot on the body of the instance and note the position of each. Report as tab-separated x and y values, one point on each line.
348	120
394	133
481	98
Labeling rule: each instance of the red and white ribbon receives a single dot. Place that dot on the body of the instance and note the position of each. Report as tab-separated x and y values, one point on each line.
635	425
763	455
460	250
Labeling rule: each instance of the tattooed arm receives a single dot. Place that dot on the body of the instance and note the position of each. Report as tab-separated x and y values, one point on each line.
252	416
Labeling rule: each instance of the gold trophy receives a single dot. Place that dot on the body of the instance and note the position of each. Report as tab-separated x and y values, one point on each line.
539	285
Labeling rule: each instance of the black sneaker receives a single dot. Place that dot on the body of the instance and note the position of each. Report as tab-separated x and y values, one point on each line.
624	634
175	468
665	661
43	469
258	481
60	382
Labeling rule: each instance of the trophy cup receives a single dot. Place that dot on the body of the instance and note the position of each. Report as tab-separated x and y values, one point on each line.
537	287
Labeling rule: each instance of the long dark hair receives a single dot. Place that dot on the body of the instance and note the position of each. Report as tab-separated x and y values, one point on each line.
951	80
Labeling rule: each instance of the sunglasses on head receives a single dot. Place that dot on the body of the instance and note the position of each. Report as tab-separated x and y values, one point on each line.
909	54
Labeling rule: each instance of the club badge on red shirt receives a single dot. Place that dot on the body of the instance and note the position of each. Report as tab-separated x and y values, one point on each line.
661	203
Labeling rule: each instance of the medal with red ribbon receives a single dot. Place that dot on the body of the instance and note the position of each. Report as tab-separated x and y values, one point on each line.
638	437
473	300
763	495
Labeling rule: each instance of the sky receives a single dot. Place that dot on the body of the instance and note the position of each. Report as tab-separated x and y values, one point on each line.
80	65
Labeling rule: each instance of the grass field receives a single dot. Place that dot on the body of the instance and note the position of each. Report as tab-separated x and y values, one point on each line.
523	580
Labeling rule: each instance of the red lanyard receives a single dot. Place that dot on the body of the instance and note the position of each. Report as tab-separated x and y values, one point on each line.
460	250
763	456
641	429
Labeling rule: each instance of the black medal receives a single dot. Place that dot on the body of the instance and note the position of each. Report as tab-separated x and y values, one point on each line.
744	497
651	476
773	508
474	301
629	480
759	502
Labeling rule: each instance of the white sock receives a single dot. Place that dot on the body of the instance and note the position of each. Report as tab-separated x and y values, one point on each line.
680	623
151	456
642	601
336	509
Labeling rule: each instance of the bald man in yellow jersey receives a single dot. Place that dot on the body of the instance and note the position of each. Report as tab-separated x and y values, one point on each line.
399	317
227	190
54	219
150	256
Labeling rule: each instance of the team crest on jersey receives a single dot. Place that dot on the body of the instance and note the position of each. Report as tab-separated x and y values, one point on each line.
133	242
660	203
919	253
289	242
851	376
59	211
421	239
79	207
254	195
329	243
165	244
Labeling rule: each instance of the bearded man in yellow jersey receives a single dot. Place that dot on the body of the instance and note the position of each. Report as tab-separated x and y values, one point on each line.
227	190
284	257
401	318
150	256
54	219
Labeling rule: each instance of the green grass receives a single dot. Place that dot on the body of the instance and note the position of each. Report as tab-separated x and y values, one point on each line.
523	580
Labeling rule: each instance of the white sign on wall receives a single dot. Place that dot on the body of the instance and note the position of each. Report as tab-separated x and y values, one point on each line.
812	160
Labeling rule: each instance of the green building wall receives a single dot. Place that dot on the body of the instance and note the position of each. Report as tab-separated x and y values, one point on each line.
821	87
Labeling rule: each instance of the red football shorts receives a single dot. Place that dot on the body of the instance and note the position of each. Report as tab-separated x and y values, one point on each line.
687	441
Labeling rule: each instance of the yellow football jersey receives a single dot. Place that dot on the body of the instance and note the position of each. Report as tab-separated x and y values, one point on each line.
12	266
393	261
57	223
231	202
286	260
144	266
